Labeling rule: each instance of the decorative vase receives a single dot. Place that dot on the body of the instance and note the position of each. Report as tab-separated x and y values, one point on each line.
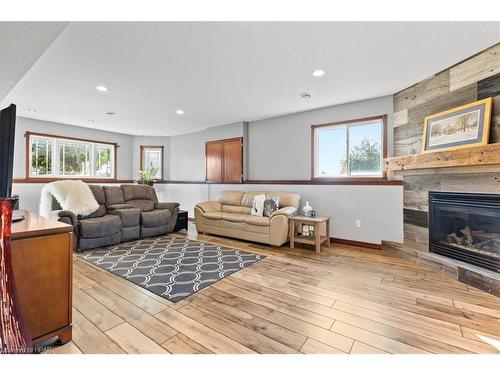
307	209
14	335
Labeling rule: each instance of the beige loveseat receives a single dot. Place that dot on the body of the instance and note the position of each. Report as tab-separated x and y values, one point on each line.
230	216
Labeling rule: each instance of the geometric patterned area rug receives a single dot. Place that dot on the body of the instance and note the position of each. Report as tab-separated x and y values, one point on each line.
169	266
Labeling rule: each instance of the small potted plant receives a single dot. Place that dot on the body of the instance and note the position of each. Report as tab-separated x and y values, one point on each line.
145	177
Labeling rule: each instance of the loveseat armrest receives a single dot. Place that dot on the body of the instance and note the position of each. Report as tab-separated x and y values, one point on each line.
166	205
70	218
286	211
210	206
120	206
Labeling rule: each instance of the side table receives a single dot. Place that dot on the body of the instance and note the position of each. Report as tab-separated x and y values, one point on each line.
316	239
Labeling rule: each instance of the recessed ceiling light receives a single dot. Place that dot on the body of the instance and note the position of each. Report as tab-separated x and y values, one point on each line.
101	88
111	113
306	95
318	73
31	110
180	112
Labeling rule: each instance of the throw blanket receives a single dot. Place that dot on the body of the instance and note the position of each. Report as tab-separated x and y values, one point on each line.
72	195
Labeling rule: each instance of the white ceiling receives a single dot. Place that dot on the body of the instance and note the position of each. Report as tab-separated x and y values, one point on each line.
224	72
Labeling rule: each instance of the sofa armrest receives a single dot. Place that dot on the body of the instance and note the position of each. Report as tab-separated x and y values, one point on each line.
70	218
210	206
166	205
286	211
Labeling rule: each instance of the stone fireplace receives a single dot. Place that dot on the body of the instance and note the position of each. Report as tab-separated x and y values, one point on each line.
466	227
452	223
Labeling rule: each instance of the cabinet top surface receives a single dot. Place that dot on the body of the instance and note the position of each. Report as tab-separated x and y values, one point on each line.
36	225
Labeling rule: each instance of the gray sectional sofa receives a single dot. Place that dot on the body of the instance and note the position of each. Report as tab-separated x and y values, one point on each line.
125	213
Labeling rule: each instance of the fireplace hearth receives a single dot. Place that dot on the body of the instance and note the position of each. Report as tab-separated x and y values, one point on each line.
466	226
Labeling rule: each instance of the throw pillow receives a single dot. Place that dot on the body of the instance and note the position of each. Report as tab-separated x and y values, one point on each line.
270	205
258	205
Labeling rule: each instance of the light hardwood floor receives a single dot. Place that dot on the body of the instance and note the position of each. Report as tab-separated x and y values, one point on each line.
344	300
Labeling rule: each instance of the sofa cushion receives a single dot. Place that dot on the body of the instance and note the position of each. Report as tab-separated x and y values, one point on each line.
98	192
257	220
142	204
144	192
99	196
230	197
114	195
230	216
213	215
247	199
101	211
100	226
285	199
155	218
236	209
130	217
231	225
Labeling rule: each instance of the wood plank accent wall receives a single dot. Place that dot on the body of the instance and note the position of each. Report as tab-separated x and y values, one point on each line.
475	78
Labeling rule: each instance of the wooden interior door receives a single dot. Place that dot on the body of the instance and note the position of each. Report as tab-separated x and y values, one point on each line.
233	161
213	161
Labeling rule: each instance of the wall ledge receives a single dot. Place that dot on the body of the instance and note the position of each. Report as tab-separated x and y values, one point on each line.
297	182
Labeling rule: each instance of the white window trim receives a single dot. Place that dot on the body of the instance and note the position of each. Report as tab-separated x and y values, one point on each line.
55	157
347	124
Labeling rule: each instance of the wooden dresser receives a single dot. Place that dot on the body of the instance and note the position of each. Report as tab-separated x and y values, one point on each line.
42	262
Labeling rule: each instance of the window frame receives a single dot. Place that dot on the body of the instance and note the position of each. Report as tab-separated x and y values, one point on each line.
348	123
141	163
55	158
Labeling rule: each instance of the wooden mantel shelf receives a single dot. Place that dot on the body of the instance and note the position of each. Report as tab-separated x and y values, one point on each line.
463	157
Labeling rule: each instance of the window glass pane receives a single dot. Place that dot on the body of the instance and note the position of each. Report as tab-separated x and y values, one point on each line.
41	156
103	161
331	157
365	144
151	159
74	158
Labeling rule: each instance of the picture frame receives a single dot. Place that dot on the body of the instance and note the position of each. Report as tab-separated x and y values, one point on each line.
460	127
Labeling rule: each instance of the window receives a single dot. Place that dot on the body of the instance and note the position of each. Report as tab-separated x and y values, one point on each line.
58	157
351	149
152	160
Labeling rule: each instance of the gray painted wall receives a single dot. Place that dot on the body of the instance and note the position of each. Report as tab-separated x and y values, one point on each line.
187	151
344	203
280	148
124	154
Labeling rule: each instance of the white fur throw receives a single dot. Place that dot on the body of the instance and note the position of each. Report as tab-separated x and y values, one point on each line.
72	195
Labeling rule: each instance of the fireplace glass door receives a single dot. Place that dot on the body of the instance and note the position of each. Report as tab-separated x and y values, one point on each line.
466	227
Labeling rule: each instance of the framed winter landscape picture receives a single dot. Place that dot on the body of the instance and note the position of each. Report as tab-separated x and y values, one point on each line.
464	126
